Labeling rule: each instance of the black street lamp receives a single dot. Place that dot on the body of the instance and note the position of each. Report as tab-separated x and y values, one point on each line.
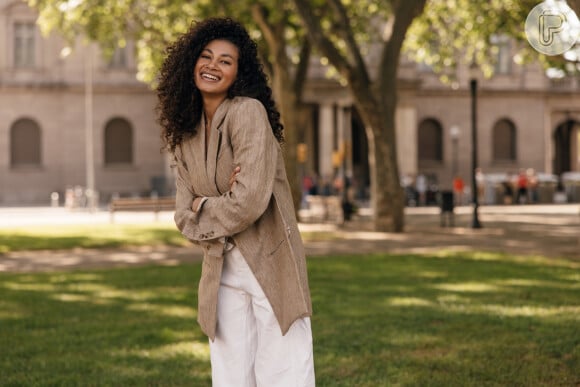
473	88
454	132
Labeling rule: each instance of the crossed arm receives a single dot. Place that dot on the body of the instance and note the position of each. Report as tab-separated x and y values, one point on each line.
208	219
199	200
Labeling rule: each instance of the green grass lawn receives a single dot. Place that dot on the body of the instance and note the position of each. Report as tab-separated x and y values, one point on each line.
100	236
380	320
89	236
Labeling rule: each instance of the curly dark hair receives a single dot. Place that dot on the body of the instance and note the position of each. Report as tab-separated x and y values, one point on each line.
180	104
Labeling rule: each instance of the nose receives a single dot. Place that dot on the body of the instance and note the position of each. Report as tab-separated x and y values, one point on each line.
211	64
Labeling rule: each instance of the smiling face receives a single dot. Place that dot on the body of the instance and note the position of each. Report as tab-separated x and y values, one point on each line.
216	68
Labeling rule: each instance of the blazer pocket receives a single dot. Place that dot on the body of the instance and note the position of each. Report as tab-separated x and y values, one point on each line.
276	246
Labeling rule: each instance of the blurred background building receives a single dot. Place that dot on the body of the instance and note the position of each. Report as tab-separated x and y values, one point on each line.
70	119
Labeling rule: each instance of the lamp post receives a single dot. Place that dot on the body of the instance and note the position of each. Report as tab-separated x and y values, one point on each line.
89	147
454	133
90	192
473	89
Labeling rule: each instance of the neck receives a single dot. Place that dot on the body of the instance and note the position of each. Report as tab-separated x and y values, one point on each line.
210	105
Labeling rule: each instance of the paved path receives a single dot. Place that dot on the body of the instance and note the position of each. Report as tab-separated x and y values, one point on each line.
551	230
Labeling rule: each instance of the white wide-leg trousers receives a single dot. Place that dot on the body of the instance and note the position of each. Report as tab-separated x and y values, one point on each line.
249	349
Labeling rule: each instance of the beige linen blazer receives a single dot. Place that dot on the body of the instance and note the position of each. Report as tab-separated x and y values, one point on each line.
257	213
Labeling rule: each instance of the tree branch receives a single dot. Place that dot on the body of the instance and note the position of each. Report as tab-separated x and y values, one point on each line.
273	34
260	17
318	37
347	33
404	12
302	68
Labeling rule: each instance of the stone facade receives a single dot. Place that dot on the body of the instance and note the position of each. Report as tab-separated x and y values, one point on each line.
52	93
62	97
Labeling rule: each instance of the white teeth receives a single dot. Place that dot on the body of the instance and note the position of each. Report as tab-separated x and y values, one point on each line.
210	77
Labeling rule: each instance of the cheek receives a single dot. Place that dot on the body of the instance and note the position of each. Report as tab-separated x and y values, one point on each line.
195	71
233	75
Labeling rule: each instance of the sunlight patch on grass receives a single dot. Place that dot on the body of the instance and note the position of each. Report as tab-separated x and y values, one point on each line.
541	260
196	350
469	287
171	311
71	297
89	236
503	257
432	274
562	312
452	298
34	287
408	301
73	278
523	282
10	310
572	277
107	292
572	312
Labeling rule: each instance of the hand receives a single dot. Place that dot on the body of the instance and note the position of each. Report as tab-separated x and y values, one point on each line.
195	204
233	177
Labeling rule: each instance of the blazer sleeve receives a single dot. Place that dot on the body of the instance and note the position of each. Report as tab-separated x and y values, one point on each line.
255	150
183	199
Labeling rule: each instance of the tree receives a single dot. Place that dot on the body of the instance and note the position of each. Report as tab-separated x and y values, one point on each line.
473	41
154	24
440	33
335	27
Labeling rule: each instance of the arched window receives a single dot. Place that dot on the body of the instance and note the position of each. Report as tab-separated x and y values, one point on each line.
430	140
504	141
118	142
25	144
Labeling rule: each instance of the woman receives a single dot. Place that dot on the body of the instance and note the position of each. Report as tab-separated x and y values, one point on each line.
233	199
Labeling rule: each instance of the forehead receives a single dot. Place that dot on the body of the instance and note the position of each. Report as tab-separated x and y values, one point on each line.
222	47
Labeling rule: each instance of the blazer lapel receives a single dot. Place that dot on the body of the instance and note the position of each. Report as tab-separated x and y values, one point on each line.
215	141
193	151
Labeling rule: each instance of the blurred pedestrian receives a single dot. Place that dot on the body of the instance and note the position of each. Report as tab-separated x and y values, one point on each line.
522	185
421	187
508	191
532	185
458	189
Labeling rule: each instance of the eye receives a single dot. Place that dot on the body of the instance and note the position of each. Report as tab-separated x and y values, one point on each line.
226	62
205	56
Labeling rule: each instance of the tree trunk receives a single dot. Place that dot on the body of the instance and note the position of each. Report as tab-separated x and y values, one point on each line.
283	88
286	100
386	191
378	115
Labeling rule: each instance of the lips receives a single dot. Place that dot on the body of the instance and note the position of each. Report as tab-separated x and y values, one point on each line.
209	77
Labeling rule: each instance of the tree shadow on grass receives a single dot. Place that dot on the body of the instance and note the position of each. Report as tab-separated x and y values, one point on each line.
448	321
379	320
119	327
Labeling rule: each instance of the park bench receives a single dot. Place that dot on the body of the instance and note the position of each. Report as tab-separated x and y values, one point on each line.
151	204
325	208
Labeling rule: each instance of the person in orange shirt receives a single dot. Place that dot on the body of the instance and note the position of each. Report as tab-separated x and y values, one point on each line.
458	189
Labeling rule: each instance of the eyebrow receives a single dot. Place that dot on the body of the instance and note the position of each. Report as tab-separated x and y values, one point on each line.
227	55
